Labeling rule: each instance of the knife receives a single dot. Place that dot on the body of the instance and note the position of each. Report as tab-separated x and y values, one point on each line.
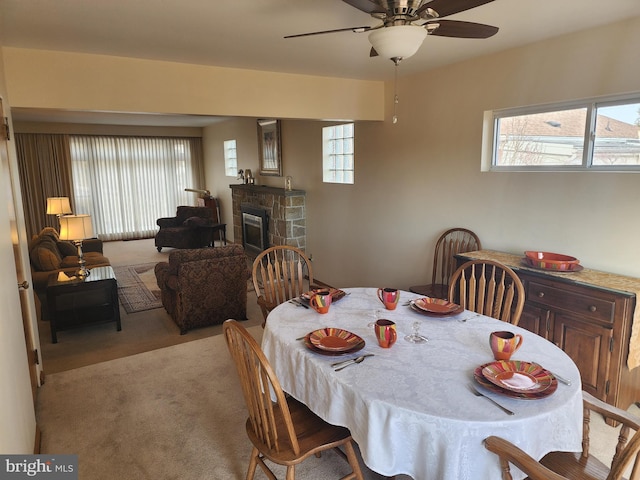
351	360
299	303
560	379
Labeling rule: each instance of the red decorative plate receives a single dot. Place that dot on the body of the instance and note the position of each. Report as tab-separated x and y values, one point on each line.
335	293
334	339
479	377
354	348
415	308
435	305
517	376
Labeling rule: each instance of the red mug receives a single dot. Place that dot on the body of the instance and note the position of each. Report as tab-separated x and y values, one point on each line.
320	301
385	332
390	297
504	344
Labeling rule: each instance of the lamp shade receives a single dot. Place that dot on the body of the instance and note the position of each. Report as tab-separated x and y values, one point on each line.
400	41
58	206
75	227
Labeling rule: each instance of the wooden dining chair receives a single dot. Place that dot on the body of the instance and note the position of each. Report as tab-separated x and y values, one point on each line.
490	288
583	465
281	429
279	274
451	242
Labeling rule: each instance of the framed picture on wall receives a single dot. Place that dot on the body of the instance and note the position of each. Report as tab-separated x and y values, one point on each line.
269	146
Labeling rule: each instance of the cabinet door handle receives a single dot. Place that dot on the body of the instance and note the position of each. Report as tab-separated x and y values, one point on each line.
593	308
540	294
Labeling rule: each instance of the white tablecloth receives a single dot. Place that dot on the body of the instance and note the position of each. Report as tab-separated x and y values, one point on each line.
409	407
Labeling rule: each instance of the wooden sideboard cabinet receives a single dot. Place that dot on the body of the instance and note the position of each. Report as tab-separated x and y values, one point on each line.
591	323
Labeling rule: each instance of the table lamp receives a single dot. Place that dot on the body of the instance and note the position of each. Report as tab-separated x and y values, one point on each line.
77	228
58	206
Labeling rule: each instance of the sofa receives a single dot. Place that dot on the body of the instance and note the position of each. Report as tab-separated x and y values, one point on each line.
192	227
201	287
49	255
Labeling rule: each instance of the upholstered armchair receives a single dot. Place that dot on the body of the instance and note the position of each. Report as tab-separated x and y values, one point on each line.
192	227
204	287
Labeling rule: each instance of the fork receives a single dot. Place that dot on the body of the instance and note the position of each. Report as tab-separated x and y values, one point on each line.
477	393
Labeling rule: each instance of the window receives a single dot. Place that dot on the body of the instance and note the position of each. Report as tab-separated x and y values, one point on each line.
127	183
230	158
602	134
337	154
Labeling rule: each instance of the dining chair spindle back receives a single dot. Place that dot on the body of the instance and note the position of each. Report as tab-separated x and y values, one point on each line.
582	465
490	288
450	243
279	274
281	429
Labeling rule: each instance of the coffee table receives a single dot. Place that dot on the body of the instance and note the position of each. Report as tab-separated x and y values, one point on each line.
75	303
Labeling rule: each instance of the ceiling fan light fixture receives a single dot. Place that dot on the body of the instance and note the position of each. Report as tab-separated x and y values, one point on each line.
400	41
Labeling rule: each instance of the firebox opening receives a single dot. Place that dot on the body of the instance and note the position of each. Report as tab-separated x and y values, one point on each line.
255	229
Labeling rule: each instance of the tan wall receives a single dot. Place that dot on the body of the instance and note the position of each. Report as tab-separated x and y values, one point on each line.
244	131
47	79
422	176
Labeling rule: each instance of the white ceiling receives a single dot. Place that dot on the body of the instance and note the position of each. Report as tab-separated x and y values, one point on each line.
249	34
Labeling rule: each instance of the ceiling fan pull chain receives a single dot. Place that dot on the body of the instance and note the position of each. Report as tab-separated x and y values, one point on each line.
395	91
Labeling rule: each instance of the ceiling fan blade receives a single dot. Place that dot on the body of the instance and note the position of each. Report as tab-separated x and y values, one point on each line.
366	6
350	29
457	29
444	8
373	53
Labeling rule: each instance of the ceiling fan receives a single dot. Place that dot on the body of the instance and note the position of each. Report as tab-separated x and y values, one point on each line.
406	23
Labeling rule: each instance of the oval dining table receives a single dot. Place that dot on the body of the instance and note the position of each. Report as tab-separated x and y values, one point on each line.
410	407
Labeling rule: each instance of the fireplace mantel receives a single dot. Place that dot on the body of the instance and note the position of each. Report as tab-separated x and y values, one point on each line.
286	210
266	189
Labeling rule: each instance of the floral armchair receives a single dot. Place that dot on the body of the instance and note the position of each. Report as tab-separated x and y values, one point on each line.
204	286
192	227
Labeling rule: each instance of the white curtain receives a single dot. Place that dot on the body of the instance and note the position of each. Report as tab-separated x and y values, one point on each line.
127	183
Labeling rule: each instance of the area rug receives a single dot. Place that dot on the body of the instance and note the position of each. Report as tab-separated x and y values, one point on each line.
137	287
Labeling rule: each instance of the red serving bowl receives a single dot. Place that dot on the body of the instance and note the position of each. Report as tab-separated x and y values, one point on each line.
551	261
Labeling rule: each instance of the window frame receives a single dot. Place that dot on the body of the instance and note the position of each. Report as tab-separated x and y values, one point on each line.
326	155
490	140
228	158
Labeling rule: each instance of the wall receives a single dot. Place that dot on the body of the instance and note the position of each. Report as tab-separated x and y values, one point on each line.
422	176
47	79
17	415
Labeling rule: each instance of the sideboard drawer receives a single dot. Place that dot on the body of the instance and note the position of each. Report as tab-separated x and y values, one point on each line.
589	307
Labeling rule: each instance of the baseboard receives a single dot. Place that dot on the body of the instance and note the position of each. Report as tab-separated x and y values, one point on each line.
38	441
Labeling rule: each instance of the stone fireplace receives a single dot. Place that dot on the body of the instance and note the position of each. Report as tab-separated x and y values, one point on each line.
284	209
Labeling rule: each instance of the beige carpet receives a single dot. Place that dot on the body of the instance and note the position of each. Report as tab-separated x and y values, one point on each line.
173	413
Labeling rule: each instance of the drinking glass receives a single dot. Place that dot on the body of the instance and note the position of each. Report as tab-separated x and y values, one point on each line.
374	315
415	337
